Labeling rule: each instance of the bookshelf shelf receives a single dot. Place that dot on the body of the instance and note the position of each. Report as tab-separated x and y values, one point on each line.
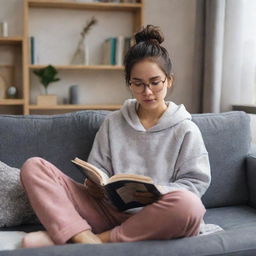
85	6
12	102
75	107
79	67
11	40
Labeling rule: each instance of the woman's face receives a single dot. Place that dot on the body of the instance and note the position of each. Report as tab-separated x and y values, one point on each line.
144	73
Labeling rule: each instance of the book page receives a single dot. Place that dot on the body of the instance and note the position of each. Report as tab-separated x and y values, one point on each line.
93	173
127	191
134	177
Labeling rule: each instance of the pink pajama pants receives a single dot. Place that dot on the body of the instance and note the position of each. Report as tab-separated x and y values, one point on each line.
65	209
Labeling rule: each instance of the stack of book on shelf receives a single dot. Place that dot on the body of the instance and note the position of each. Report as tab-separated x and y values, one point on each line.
114	50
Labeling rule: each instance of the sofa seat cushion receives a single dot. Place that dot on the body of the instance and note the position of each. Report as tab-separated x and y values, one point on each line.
232	217
238	238
232	242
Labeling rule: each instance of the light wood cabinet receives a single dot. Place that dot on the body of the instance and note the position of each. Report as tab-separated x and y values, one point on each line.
14	47
24	101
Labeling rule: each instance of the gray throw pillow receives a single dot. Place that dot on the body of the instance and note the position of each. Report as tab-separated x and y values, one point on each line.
15	208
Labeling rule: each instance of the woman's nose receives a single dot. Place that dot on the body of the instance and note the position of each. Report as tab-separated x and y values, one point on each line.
147	90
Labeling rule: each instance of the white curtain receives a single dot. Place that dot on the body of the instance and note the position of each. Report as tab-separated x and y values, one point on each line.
229	54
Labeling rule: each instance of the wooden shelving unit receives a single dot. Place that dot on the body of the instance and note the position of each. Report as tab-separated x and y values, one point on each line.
75	107
24	103
79	67
85	6
6	105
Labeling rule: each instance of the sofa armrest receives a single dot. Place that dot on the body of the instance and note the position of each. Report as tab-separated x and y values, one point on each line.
253	149
251	178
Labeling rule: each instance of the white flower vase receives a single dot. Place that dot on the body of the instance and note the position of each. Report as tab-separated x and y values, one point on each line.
80	56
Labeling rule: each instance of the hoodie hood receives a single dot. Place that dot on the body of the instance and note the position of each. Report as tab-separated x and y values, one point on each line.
173	115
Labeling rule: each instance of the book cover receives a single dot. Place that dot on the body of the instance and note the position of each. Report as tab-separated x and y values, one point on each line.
32	50
127	45
106	53
109	51
113	41
120	50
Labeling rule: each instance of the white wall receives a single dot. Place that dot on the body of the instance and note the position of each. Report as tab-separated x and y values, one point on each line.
11	11
58	31
180	22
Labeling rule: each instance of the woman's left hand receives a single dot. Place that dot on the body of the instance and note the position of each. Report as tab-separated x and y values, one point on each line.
145	197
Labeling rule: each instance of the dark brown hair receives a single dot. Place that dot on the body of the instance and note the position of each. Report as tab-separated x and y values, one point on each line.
148	46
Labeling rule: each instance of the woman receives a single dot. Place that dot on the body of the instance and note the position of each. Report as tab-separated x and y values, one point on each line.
147	136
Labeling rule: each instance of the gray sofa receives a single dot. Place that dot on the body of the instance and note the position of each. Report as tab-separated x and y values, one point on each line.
230	200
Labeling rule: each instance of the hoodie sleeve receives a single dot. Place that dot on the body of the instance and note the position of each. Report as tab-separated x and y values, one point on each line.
100	152
192	169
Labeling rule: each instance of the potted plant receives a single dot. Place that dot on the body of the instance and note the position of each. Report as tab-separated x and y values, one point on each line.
47	76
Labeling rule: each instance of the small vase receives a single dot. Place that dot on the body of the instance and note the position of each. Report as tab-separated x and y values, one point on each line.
81	55
12	92
74	94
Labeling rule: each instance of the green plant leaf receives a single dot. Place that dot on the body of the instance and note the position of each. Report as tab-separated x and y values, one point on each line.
47	75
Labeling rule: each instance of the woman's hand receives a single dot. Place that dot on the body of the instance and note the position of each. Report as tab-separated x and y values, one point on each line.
145	197
94	190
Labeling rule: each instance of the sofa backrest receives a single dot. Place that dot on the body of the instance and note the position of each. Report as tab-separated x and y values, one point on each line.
57	138
60	138
227	139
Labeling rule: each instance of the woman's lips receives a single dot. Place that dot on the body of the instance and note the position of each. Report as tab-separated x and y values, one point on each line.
148	101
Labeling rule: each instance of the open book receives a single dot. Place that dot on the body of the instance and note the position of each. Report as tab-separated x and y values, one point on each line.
120	188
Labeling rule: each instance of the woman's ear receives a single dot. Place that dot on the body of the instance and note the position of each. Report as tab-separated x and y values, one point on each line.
130	90
170	81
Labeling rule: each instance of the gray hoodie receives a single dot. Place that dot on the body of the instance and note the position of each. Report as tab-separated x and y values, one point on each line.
172	152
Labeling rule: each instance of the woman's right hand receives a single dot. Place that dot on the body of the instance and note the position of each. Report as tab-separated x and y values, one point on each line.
94	190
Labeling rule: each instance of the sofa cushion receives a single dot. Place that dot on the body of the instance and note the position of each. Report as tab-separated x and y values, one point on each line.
227	139
57	138
238	238
232	217
14	207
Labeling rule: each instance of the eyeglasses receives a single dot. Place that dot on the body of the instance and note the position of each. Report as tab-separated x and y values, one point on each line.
155	86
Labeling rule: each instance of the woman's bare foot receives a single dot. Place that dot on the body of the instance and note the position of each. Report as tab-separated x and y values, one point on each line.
86	237
36	239
104	236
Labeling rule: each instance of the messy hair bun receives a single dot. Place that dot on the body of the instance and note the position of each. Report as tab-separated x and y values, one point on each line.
150	34
148	46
